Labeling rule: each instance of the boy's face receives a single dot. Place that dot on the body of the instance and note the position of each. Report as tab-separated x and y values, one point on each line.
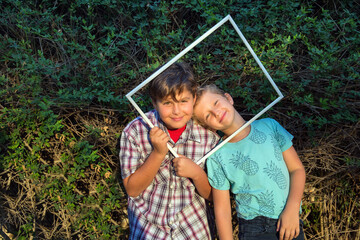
215	111
175	114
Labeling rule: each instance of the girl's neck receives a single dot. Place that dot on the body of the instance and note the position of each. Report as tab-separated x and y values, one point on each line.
238	123
241	135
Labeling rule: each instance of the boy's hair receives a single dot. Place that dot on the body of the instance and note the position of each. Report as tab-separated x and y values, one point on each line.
208	88
174	80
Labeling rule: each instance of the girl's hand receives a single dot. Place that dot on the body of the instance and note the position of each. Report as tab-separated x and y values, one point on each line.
288	225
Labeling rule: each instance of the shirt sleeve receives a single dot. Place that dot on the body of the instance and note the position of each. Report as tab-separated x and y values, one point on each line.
216	174
129	154
283	137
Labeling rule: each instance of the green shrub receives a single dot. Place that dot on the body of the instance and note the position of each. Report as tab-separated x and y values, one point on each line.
66	67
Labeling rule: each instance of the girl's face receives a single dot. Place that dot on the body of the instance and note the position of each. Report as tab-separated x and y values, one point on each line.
215	111
175	114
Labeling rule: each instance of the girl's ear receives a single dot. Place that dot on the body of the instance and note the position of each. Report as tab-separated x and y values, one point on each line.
194	100
229	98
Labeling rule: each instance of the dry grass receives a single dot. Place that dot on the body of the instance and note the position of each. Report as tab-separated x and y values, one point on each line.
331	198
330	203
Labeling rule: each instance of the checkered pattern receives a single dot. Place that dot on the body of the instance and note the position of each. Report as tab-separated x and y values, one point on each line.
169	208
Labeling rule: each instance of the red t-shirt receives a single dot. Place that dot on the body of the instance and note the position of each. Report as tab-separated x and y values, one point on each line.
176	133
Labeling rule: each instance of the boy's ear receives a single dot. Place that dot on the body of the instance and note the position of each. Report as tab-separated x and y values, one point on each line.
229	98
154	104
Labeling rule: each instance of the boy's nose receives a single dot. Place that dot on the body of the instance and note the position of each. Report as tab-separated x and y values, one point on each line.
176	108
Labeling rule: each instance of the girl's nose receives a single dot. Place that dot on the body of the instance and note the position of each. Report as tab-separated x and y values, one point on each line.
216	112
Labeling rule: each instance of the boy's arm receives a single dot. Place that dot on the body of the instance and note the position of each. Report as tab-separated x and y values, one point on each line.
185	167
288	223
222	207
144	175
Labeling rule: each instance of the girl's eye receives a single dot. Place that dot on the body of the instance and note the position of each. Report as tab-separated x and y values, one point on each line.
166	103
207	117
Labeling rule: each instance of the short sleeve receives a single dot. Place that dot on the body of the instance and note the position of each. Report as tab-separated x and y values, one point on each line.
129	154
282	136
216	174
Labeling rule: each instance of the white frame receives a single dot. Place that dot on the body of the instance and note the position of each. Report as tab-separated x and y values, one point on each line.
182	53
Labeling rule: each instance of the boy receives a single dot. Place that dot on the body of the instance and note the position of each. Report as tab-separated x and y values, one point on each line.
166	196
260	167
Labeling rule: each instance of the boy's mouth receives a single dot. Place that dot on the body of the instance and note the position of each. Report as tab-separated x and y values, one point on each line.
177	119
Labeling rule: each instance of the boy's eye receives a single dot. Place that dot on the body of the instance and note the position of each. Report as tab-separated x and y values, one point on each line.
166	103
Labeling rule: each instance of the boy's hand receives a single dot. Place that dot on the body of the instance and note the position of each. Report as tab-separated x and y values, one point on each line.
288	225
159	140
185	167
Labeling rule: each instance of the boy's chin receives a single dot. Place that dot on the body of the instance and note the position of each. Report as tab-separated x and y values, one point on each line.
176	124
172	127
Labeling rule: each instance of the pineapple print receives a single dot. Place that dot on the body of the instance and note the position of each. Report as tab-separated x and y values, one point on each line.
244	198
275	174
240	161
277	149
218	178
266	203
280	138
257	136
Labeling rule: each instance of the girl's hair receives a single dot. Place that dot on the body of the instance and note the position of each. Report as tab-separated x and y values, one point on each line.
174	80
208	88
200	92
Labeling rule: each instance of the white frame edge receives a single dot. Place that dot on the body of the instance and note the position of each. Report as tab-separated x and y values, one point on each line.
182	53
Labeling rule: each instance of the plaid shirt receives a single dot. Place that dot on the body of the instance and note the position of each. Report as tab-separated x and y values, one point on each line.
169	208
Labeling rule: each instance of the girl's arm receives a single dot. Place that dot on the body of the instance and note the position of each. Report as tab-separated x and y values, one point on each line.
222	206
288	223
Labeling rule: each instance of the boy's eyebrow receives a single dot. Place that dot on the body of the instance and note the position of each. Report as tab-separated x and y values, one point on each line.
170	98
165	100
182	98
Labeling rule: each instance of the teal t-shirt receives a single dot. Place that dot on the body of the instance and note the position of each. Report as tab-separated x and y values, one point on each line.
254	170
